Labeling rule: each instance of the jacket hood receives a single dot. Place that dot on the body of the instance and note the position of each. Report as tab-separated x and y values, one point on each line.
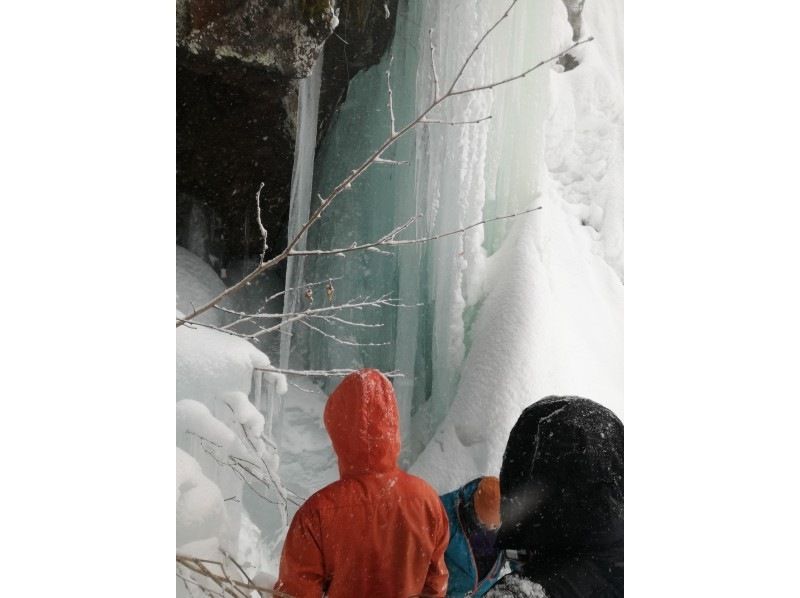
361	419
561	481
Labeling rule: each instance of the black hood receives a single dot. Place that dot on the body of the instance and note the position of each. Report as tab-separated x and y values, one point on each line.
561	482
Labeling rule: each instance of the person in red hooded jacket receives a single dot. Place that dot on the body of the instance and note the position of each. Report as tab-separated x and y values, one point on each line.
377	531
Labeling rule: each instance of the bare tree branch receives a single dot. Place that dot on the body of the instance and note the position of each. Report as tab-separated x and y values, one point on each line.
389	240
339	340
476	48
335	372
344	321
382	301
240	568
225	329
391	162
433	121
197	566
188	580
524	73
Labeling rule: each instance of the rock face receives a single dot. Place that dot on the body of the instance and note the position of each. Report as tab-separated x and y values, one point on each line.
238	62
575	18
284	36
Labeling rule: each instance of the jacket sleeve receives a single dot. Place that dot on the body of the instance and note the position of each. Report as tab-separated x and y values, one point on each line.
436	579
302	570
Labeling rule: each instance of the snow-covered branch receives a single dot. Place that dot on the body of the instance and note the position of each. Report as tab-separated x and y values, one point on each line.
335	372
358	303
341	341
434	121
261	227
389	239
476	48
433	66
523	73
331	314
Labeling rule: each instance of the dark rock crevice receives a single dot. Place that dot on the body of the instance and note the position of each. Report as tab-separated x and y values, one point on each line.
237	67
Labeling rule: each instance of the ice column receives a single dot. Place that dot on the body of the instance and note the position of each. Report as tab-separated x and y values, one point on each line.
300	199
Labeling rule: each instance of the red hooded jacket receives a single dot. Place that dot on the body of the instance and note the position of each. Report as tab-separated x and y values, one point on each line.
377	531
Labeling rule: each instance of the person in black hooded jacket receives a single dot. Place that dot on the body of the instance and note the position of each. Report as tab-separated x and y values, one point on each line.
561	502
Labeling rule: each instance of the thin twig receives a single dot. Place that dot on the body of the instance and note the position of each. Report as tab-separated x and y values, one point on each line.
524	73
336	339
188	580
389	241
433	121
345	322
433	67
476	47
193	564
391	162
382	301
336	372
261	224
236	591
241	569
390	102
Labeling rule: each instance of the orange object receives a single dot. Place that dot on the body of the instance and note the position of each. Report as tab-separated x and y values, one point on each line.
378	531
487	502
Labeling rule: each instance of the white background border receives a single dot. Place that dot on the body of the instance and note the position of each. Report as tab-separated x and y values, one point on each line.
712	298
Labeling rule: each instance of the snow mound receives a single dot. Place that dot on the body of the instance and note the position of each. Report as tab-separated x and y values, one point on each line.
197	284
584	132
216	421
535	335
195	419
200	507
211	363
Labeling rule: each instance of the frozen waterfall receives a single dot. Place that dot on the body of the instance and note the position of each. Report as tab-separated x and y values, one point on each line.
302	180
505	313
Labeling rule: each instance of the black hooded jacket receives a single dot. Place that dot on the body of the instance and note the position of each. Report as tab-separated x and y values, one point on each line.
561	487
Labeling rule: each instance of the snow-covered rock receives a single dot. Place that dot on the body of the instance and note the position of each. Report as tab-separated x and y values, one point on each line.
200	508
197	284
217	423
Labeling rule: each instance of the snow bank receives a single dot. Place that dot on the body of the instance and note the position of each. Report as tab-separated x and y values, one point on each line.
535	335
195	419
200	508
549	300
197	283
584	131
211	363
215	421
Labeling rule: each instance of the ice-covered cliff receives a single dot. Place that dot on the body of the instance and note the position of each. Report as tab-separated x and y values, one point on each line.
507	312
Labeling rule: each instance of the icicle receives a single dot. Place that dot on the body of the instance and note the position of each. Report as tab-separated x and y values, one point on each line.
269	399
257	398
300	199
